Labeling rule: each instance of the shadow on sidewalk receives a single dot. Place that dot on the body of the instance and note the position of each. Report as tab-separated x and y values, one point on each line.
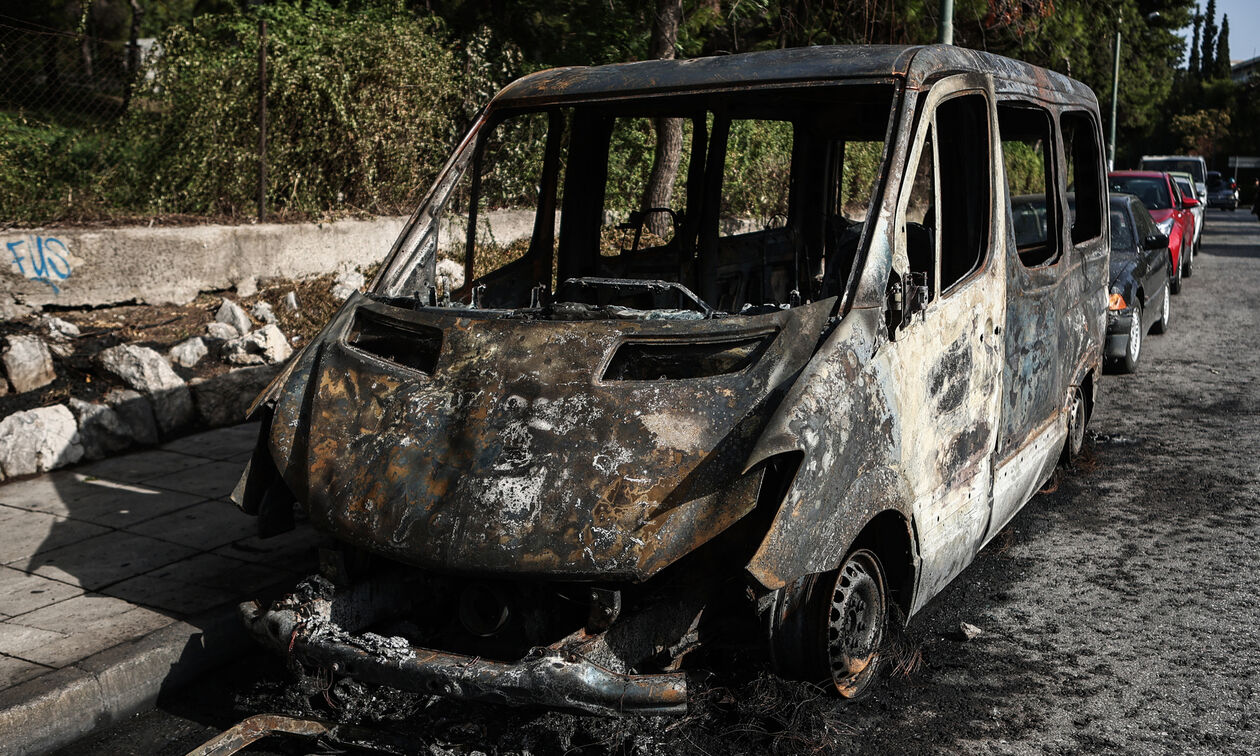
118	549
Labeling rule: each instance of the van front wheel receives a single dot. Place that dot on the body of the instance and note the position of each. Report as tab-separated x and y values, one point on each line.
856	621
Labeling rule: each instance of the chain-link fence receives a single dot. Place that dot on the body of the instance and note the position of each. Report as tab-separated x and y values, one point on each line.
58	75
361	110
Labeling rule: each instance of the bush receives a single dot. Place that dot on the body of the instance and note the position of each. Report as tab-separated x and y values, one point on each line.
361	110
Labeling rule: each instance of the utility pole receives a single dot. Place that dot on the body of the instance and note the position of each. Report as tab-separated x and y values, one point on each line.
946	36
1115	86
262	120
1115	92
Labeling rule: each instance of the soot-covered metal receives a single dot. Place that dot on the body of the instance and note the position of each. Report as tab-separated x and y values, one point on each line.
549	482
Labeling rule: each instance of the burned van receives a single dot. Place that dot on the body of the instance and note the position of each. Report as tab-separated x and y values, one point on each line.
769	354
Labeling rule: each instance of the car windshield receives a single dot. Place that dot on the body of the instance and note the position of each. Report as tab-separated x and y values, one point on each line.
711	203
1184	165
1152	190
1213	180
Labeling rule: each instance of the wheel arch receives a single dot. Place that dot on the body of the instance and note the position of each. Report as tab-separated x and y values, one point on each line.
890	536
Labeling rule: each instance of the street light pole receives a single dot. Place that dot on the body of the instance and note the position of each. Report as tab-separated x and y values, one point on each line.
1115	93
1115	87
946	36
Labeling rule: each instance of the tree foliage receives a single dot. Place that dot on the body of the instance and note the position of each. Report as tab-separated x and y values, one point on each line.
1201	131
1222	49
1207	60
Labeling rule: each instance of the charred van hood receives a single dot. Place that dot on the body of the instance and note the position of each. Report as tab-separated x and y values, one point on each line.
480	442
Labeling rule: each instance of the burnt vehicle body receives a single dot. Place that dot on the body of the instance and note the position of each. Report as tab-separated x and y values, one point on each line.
562	475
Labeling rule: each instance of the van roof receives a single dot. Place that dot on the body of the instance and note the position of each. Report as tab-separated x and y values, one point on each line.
917	65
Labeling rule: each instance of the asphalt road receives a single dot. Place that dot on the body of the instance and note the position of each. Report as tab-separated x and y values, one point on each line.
1119	613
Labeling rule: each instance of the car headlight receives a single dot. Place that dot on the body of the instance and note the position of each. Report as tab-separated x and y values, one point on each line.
1165	226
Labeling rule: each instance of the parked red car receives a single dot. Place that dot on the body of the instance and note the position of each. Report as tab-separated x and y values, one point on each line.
1169	209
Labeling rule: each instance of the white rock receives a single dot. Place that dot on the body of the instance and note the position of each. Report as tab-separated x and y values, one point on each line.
263	313
62	349
449	275
220	332
266	345
290	301
57	329
101	431
38	440
969	631
136	412
232	314
11	309
247	287
189	352
146	371
28	363
347	283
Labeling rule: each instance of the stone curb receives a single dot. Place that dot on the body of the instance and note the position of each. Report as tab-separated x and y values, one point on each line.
58	708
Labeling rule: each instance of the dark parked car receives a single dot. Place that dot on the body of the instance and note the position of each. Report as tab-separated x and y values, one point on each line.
788	415
1222	191
1140	265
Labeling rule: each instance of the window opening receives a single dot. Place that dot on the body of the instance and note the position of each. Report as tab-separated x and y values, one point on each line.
1028	157
1084	175
770	194
962	126
920	219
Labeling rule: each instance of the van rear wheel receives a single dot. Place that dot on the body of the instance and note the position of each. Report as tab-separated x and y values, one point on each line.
1076	427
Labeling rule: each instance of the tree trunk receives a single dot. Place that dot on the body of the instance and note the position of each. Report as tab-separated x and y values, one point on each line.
133	53
660	185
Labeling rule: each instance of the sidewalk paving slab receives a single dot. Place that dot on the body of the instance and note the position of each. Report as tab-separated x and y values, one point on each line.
119	579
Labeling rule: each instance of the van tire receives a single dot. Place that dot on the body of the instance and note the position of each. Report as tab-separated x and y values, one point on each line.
1077	418
853	618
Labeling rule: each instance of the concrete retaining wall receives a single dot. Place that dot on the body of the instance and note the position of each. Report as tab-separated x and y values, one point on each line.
77	267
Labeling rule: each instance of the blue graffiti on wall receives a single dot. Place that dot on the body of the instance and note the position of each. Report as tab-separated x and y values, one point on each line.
41	258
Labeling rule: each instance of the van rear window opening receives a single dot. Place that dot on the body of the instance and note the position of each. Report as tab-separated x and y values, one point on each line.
749	200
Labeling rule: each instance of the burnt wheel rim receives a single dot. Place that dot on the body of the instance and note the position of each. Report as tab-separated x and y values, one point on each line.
856	617
1078	423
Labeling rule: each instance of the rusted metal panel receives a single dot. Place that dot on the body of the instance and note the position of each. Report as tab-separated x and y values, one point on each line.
258	727
319	628
517	454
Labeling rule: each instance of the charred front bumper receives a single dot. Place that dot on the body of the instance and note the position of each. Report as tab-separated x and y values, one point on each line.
317	629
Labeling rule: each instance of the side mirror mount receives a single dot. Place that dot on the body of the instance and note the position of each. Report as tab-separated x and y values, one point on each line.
1156	241
906	296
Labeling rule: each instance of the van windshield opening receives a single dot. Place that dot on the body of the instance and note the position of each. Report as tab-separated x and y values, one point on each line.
700	205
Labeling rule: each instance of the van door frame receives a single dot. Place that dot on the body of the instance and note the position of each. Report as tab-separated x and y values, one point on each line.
946	448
